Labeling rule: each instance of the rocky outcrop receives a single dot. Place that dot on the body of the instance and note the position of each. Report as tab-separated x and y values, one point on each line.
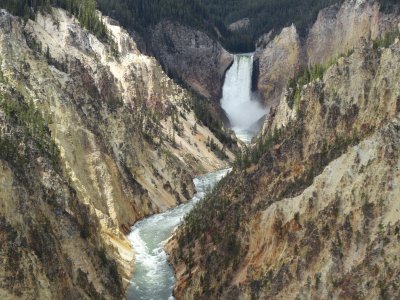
337	30
51	246
312	210
241	24
277	62
105	139
336	236
192	56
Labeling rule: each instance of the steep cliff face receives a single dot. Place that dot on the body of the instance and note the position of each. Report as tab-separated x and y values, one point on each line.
192	56
51	246
337	30
277	62
128	140
338	238
314	211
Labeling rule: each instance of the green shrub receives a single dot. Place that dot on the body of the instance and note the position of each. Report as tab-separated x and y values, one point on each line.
213	16
389	6
219	152
27	120
83	10
387	40
302	78
9	152
204	112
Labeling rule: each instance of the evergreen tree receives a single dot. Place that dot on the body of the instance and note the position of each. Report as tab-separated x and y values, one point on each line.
210	16
83	10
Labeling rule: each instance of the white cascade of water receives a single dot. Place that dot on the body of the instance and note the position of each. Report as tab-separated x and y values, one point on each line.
241	105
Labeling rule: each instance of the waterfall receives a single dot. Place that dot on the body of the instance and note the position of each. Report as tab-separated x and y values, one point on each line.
153	277
241	105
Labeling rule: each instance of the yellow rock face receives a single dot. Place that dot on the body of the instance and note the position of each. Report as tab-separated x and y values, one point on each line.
115	118
337	30
315	212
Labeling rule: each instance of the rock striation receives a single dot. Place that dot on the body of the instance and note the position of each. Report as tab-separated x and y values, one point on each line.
338	29
312	210
93	138
276	63
241	24
199	61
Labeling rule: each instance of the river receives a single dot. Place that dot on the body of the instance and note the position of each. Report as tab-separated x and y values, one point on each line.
153	278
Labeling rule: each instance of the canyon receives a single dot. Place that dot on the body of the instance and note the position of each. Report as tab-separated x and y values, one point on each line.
149	162
310	211
94	137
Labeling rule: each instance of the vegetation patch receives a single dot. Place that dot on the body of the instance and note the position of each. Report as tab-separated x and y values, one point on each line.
389	6
204	112
214	16
307	75
27	126
302	78
220	152
204	222
387	40
83	10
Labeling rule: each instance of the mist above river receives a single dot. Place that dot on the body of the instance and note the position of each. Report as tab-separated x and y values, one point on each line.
241	105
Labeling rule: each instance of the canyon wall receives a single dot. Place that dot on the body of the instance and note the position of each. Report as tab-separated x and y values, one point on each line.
311	211
338	29
192	56
94	137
